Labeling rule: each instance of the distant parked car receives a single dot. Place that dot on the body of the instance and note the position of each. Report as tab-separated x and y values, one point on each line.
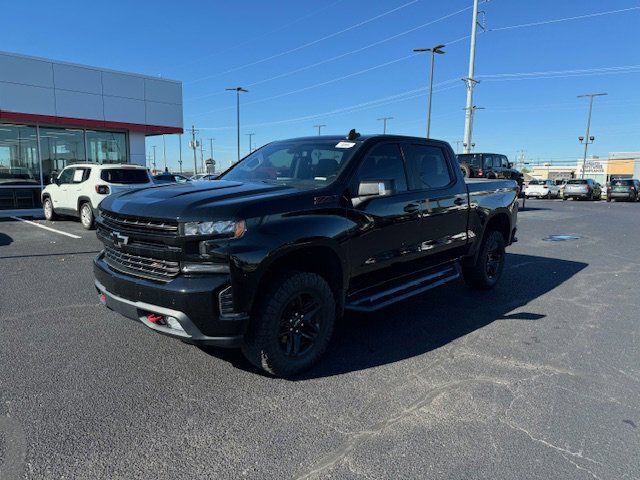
203	176
623	189
582	188
170	178
542	189
80	188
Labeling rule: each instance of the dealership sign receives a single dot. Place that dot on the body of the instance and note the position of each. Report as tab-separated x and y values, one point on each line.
593	166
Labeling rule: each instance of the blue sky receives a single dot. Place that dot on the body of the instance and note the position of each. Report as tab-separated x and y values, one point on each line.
213	45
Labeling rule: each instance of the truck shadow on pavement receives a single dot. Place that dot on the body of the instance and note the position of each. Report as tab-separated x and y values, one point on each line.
5	240
432	320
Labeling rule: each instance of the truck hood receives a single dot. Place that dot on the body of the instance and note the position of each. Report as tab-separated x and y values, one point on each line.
192	201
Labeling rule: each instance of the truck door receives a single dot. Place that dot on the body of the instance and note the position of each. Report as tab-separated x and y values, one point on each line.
384	240
443	197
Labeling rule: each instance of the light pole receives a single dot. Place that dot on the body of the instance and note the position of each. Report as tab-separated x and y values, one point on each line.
211	146
588	140
164	152
250	135
238	90
384	123
434	50
154	157
319	127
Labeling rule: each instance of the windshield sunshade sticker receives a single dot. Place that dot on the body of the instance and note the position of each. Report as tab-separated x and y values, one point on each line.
345	144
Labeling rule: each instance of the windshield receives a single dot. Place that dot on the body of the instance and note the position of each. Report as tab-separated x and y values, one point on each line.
124	175
297	163
577	182
536	182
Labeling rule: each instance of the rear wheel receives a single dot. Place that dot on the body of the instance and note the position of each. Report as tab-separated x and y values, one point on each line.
86	216
47	207
487	269
292	324
466	171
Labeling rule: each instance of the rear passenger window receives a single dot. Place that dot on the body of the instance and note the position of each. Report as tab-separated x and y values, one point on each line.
384	163
429	164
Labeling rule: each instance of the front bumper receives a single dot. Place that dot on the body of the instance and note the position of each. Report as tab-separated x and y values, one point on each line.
193	302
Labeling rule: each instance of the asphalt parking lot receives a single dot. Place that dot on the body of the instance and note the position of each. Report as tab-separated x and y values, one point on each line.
537	379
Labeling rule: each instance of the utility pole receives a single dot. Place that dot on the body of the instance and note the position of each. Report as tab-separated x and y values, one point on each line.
319	127
194	145
204	170
154	157
238	90
458	142
180	151
470	81
588	140
164	152
384	123
435	50
250	135
211	146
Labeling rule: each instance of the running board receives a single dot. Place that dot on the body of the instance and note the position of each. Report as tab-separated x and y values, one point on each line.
401	292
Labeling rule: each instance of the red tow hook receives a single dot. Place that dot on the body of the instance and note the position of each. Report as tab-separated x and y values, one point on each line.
155	318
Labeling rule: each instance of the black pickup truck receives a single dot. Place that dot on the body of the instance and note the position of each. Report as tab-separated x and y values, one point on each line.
270	255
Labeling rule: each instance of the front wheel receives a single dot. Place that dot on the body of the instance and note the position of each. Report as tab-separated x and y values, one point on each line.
86	216
292	324
487	269
47	207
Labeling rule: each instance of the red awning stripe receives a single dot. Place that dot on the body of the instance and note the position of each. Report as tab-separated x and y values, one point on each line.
87	123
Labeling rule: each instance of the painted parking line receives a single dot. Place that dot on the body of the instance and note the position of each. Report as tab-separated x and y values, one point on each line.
47	228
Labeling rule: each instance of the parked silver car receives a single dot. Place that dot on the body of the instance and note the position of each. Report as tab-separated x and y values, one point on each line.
582	188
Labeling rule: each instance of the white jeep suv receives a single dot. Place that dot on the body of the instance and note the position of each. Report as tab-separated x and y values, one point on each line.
79	188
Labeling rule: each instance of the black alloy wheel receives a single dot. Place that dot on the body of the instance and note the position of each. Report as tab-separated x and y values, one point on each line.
494	257
300	324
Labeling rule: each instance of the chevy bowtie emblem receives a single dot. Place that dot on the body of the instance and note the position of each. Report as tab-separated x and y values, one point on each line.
118	239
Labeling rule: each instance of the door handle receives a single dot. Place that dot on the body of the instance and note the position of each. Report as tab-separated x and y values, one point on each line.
411	208
459	201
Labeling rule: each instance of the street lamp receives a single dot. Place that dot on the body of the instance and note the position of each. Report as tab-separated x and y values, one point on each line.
238	90
587	139
250	135
434	50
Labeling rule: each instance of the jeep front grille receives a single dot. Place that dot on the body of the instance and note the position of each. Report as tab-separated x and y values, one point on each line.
144	267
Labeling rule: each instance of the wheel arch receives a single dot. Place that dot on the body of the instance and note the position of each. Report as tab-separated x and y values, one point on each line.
321	257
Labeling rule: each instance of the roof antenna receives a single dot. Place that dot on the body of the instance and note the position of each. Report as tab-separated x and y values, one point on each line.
353	134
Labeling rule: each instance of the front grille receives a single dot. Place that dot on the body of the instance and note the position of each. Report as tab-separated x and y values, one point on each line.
139	225
144	267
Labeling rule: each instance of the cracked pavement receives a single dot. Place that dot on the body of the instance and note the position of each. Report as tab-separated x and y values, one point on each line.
537	379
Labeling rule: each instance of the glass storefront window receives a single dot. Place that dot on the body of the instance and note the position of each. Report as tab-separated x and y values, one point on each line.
106	147
18	155
19	167
60	147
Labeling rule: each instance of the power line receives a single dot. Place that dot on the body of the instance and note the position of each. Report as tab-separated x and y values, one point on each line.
308	44
352	52
566	19
266	34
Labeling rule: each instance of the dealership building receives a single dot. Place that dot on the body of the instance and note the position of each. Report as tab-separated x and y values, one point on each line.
55	113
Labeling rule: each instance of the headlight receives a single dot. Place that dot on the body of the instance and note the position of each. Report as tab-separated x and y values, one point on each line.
224	228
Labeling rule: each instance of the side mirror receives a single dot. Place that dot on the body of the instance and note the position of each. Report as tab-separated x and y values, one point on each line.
54	179
509	165
376	188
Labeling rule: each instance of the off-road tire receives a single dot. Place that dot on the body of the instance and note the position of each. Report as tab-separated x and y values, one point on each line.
466	171
476	274
262	341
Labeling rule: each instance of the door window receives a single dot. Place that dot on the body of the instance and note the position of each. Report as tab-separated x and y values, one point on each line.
505	161
384	163
66	176
430	166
